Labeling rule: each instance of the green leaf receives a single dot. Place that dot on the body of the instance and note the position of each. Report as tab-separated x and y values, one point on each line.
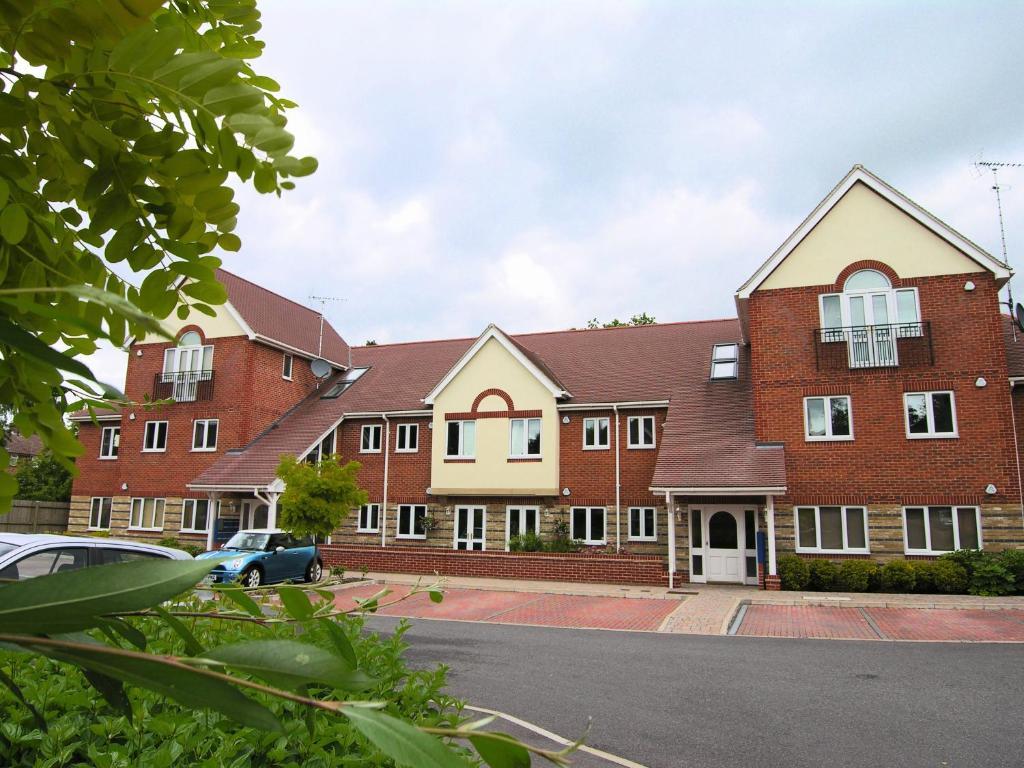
13	688
296	603
239	597
229	242
73	600
5	192
192	646
500	751
436	595
289	664
209	292
124	241
25	343
13	224
402	742
130	633
341	641
111	690
229	99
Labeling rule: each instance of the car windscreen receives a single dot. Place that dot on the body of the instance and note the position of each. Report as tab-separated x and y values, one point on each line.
251	541
5	548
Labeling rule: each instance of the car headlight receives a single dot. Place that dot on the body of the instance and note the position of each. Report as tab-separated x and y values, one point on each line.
236	563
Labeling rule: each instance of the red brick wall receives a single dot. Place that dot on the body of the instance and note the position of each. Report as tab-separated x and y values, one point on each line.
582	566
881	464
590	475
408	473
96	477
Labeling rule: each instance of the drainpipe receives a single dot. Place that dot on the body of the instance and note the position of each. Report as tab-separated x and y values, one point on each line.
671	539
384	500
618	480
770	514
1016	453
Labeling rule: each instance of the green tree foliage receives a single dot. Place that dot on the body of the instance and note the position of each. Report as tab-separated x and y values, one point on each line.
43	479
318	497
122	123
643	319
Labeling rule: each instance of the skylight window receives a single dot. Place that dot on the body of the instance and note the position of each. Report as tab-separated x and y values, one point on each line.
725	361
346	381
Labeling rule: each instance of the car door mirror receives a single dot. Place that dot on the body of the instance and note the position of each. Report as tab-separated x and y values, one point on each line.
278	550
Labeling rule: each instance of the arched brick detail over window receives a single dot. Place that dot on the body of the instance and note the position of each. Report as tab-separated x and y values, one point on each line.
186	328
497	393
857	266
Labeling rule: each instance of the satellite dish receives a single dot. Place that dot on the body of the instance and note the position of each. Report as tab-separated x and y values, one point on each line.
1019	314
320	368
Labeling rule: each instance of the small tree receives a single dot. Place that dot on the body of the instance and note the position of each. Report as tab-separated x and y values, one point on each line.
641	319
43	479
318	497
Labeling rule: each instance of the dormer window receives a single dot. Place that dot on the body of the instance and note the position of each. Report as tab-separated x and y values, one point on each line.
870	315
186	365
725	361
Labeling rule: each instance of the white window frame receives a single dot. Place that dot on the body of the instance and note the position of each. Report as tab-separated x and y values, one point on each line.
928	528
156	433
522	451
142	503
92	510
847	549
735	360
521	512
462	439
115	443
362	438
892	308
410	509
596	421
366	510
931	434
643	535
408	429
287	366
590	513
211	511
186	390
640	433
206	434
828	436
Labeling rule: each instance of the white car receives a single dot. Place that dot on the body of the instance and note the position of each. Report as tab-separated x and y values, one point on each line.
26	555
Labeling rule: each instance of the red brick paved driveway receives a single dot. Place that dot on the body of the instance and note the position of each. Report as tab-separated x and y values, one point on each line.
582	611
941	624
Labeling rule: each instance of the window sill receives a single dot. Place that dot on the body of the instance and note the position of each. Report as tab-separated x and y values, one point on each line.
828	439
648	539
90	528
204	450
587	543
375	450
407	450
459	461
951	436
154	450
927	552
287	378
411	536
641	447
148	530
194	530
108	458
596	447
367	530
523	459
806	551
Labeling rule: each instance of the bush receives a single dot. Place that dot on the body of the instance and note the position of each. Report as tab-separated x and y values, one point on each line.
525	542
857	576
193	549
898	576
1013	561
794	573
924	571
965	558
990	578
170	542
950	577
823	574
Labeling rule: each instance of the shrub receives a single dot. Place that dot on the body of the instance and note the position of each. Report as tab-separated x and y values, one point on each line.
925	573
823	574
950	577
1013	561
193	549
525	542
991	578
898	576
857	576
794	573
169	541
965	558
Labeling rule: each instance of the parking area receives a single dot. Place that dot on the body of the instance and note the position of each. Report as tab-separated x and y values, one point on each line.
525	608
882	623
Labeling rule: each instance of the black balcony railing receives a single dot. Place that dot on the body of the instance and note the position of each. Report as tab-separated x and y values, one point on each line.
874	346
183	386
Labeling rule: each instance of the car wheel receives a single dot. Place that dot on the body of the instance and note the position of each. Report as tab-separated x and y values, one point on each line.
251	577
315	571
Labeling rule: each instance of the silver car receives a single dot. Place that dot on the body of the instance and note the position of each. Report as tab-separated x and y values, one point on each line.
26	555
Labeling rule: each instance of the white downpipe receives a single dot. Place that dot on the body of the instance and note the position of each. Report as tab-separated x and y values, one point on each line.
671	540
770	514
618	483
211	520
384	499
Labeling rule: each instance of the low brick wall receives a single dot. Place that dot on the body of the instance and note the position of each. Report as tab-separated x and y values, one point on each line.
547	566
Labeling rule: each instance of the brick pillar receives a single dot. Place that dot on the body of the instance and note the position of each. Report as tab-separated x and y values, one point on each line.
772	583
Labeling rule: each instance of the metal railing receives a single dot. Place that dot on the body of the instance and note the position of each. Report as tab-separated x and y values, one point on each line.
183	386
874	346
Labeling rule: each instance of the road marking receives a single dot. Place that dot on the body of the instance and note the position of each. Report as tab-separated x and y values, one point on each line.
607	756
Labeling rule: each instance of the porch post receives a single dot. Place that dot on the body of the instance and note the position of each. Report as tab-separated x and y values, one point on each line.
211	521
272	509
770	515
670	513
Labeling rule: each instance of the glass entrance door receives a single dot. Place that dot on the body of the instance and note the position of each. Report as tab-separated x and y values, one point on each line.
520	520
469	527
872	342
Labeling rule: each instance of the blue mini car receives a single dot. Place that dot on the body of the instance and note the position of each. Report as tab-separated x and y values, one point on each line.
265	556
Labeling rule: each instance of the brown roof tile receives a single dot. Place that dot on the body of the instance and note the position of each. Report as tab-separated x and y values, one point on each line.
1014	347
19	445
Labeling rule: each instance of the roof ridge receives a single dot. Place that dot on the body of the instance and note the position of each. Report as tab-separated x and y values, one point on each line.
275	293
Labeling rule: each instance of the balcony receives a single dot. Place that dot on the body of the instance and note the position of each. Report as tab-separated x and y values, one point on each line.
874	346
183	386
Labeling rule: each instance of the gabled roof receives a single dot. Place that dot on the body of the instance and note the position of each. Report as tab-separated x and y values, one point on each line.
269	317
669	362
528	359
19	445
861	175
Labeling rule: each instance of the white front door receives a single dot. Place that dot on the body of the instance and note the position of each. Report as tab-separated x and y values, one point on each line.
520	520
723	545
470	524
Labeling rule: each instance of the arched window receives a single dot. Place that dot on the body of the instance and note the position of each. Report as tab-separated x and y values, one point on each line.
870	315
187	364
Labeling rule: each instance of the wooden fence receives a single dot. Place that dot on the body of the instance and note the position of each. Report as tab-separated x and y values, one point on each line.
36	517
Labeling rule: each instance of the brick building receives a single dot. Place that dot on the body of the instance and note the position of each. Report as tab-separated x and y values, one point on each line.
862	405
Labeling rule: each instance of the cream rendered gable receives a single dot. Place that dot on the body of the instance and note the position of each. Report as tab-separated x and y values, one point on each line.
225	322
493	366
865	226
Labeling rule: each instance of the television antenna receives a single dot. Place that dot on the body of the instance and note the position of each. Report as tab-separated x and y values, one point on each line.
1016	311
323	307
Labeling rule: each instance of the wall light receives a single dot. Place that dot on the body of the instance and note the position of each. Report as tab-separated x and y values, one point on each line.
990	489
969	285
566	491
980	382
124	486
565	419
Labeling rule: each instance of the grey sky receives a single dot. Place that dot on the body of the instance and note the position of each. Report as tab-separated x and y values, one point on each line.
536	164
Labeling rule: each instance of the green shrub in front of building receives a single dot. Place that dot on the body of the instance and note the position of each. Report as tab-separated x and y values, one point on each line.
1013	561
897	576
857	576
823	575
794	573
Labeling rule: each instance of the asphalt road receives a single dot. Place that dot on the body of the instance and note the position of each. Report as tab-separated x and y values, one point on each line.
675	700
